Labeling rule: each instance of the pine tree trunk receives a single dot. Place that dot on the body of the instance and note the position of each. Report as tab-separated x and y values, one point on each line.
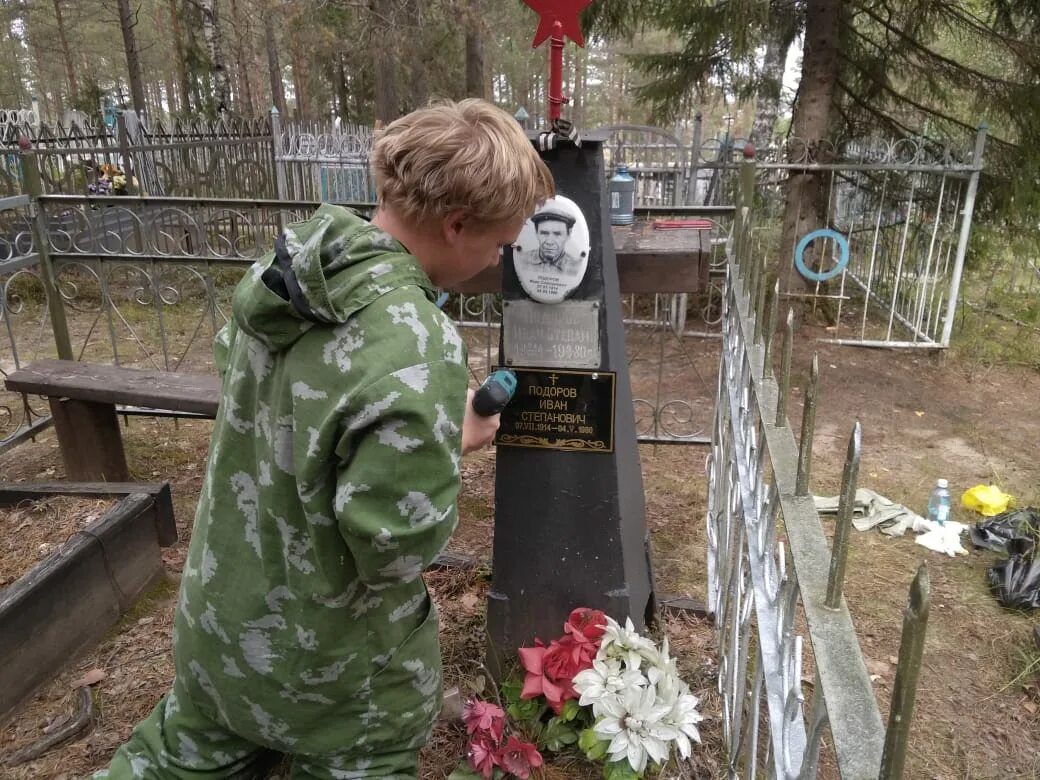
274	68
578	98
214	49
413	25
70	71
385	70
806	199
420	83
127	22
183	86
245	86
198	77
171	94
342	96
299	82
476	83
779	37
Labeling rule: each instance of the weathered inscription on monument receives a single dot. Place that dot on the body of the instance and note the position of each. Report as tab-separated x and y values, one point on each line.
562	334
560	410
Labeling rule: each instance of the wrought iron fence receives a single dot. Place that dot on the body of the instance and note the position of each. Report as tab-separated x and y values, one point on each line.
760	591
223	157
146	282
22	314
903	207
326	162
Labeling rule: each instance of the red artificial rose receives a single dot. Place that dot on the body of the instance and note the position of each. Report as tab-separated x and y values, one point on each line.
564	659
482	717
537	683
519	758
483	755
550	670
586	624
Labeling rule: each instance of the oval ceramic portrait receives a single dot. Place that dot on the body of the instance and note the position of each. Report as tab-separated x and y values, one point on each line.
551	254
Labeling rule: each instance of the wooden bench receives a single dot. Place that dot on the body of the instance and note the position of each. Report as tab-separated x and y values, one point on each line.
83	399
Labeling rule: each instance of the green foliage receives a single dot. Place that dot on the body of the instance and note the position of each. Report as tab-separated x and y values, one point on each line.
464	772
620	770
592	746
520	709
906	68
557	735
570	711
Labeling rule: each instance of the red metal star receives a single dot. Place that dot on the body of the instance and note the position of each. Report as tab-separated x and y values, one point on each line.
563	11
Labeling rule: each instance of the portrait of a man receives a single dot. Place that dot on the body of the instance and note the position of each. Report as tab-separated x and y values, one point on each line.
553	230
551	253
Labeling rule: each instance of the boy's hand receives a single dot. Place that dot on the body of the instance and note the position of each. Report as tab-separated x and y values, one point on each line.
477	431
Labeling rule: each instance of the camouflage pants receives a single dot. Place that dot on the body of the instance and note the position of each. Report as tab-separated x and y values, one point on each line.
179	741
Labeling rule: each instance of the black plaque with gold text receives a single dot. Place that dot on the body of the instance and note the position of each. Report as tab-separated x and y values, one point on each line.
560	410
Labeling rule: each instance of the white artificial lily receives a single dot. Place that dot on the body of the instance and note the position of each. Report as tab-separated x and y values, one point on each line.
626	644
684	717
633	723
606	679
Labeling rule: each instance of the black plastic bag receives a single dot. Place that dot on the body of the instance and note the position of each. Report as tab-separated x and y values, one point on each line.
1016	579
995	533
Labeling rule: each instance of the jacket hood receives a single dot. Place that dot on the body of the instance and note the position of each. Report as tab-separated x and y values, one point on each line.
321	271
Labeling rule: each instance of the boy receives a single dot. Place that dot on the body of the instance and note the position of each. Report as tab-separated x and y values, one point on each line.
303	625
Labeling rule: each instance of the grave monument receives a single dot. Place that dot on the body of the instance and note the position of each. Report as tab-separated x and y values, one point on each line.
570	525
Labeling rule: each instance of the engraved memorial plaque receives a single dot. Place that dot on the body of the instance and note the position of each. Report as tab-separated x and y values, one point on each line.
564	335
560	410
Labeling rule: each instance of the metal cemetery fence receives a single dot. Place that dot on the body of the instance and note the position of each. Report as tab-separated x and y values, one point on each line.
762	592
21	290
904	208
322	162
145	279
146	282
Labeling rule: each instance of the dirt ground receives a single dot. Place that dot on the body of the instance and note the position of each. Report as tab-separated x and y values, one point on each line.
923	417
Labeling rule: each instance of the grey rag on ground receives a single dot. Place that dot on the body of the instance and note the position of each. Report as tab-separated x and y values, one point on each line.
873	510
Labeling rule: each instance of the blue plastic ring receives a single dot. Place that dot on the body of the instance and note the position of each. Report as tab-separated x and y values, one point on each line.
821	276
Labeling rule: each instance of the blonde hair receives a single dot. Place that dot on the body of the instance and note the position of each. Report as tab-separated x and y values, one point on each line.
469	156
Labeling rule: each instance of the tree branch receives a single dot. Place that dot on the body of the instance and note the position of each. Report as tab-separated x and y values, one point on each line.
927	52
920	106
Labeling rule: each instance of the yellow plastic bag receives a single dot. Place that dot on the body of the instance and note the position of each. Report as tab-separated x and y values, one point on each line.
987	500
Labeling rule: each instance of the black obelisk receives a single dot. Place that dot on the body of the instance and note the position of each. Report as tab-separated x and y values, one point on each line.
570	527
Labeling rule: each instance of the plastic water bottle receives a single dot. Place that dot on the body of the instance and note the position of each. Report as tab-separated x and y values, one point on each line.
939	503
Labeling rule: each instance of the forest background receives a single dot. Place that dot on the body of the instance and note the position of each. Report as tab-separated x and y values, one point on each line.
765	70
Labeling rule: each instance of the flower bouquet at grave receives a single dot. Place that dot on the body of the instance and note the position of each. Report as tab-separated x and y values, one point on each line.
601	689
111	182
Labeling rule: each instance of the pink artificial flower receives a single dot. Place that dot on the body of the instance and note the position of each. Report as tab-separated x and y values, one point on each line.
484	718
586	625
550	670
482	755
519	758
537	683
